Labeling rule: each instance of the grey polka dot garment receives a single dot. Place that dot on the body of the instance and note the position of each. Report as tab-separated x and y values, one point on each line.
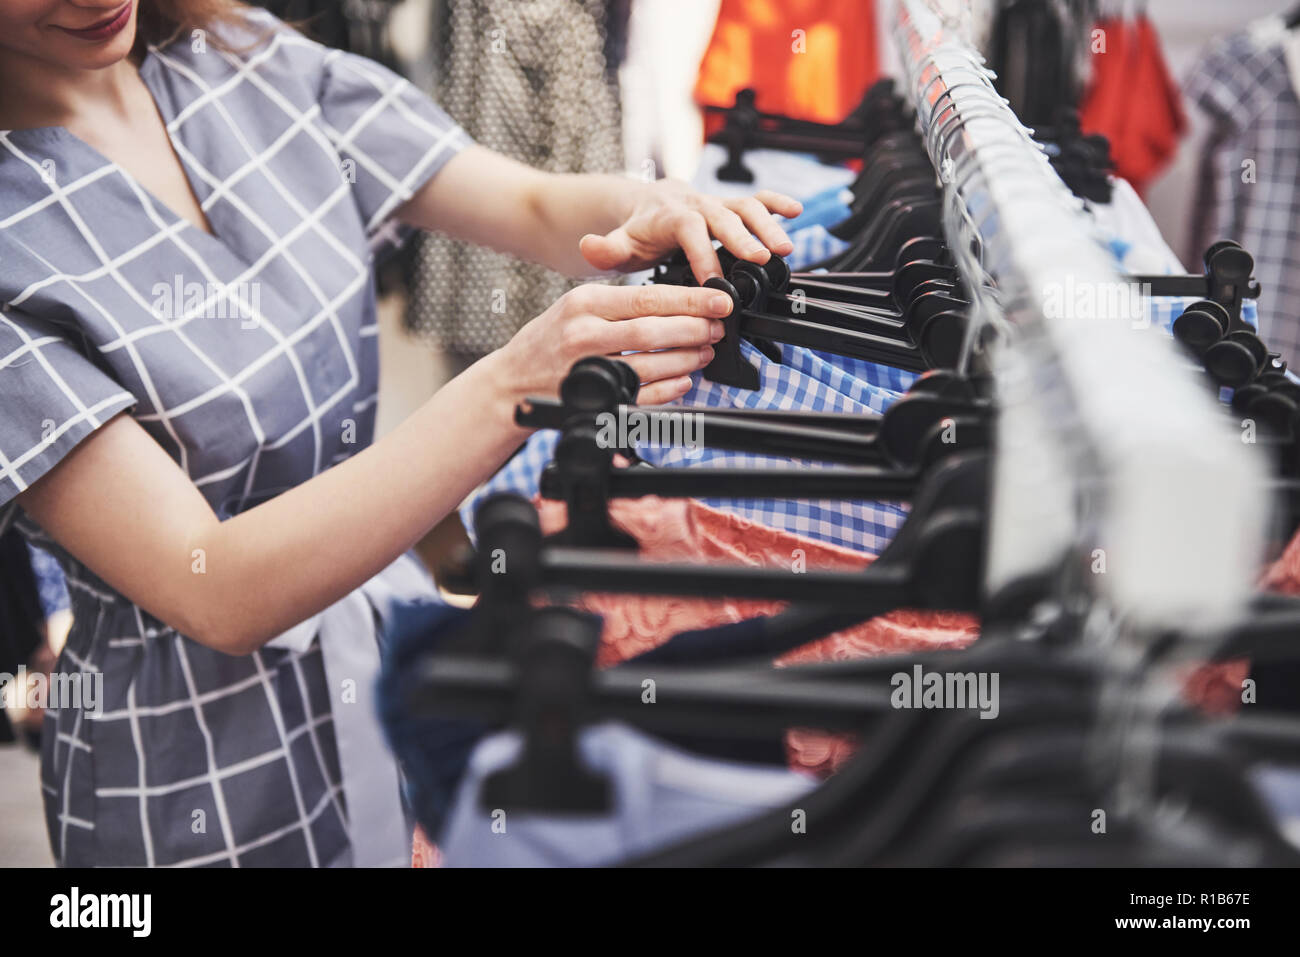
251	358
531	81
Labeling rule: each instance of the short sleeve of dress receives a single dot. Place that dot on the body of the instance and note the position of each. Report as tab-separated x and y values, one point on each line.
51	398
391	137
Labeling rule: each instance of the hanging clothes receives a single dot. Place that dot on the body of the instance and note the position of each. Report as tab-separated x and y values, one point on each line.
660	795
1133	100
806	59
802	380
635	627
435	751
685	530
1035	49
531	81
810	380
1246	86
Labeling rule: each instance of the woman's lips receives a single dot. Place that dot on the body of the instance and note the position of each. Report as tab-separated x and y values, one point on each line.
105	28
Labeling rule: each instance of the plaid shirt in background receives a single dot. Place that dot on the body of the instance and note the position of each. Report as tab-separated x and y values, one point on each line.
1246	84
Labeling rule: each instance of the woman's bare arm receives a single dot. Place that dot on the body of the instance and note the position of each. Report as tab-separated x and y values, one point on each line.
125	509
120	505
580	223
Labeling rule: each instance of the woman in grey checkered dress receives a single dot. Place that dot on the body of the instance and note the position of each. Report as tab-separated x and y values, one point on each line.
189	213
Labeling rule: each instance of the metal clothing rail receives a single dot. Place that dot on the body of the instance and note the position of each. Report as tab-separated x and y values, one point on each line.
1108	449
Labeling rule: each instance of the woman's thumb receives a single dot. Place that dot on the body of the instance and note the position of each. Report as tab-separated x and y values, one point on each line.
606	252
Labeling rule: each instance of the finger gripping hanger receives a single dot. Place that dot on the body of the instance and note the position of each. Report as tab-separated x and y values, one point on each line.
728	366
919	259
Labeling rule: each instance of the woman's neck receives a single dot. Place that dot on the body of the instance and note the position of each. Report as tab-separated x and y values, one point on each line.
39	93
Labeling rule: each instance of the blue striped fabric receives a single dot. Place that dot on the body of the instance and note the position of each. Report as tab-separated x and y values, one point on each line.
805	381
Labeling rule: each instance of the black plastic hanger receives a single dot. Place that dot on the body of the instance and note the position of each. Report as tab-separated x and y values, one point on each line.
931	334
880	111
934	422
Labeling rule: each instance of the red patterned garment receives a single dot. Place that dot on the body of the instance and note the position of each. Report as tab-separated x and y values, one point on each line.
1283	576
1217	688
424	853
684	530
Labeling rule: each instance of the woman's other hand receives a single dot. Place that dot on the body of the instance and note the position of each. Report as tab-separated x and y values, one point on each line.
670	330
669	214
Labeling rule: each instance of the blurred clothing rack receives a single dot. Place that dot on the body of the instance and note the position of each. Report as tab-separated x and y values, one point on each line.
1105	440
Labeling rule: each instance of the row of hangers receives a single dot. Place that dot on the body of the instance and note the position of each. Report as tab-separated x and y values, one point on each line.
895	296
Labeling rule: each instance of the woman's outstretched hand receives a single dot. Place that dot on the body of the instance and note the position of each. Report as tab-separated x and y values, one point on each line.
669	214
671	330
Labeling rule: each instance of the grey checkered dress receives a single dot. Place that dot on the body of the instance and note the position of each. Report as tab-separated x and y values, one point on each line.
251	358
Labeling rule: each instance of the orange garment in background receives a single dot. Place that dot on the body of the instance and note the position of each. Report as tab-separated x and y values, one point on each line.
755	44
1133	101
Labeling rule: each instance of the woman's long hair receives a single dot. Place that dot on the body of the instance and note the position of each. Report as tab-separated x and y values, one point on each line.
158	22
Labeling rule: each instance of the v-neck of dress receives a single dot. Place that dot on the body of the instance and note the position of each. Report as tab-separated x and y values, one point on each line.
214	241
